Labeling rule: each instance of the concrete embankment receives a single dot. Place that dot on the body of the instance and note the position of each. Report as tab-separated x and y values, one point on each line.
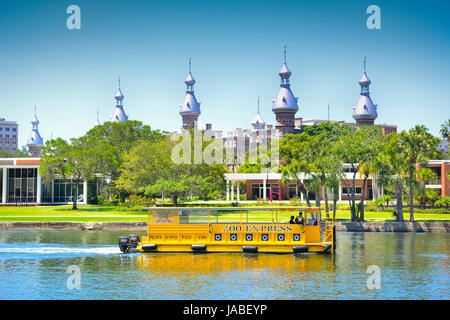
393	226
142	226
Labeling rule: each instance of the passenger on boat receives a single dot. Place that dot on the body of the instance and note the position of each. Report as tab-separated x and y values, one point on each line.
299	219
292	221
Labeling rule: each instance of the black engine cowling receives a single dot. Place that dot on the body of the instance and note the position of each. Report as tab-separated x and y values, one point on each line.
124	244
134	241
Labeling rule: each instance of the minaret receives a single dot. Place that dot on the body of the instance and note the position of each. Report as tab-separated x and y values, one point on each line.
119	114
35	141
258	122
189	108
285	104
365	112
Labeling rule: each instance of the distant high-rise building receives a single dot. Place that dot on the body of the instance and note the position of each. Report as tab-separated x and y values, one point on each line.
365	112
9	133
35	141
190	107
285	104
119	114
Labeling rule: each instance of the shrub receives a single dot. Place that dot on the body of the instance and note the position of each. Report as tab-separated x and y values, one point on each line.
383	200
134	201
295	200
442	202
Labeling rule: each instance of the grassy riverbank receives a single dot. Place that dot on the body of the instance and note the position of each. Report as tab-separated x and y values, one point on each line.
114	213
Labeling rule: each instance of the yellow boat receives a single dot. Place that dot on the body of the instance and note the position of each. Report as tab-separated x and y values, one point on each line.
204	230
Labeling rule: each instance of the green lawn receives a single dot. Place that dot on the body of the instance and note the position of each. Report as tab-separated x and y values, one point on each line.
111	213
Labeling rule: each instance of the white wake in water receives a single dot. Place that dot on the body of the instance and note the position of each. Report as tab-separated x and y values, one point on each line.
61	250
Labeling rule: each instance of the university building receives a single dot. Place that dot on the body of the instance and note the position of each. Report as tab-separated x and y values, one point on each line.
264	186
21	183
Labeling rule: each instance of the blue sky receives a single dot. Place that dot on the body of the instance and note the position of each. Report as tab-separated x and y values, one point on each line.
236	50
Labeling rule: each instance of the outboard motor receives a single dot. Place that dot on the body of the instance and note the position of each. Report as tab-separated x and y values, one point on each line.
124	244
134	241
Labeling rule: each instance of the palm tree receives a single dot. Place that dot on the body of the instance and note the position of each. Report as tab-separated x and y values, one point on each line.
418	146
314	183
426	175
291	172
445	129
392	169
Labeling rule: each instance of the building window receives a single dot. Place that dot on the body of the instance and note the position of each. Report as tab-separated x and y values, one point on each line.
357	190
63	192
6	129
22	185
292	190
14	129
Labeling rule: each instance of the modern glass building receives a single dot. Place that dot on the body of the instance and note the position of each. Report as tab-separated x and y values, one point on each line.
20	183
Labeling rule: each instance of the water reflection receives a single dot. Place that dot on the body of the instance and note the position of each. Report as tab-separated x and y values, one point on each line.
33	266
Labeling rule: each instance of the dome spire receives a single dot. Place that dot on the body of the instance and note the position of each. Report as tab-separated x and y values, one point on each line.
119	114
258	106
190	81
365	112
119	95
285	73
97	123
190	107
258	122
35	142
285	105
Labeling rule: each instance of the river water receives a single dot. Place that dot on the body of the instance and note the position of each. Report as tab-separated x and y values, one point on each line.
34	265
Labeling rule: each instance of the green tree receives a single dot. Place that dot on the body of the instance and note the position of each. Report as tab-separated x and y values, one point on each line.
149	169
291	171
112	141
358	148
14	154
70	163
392	169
